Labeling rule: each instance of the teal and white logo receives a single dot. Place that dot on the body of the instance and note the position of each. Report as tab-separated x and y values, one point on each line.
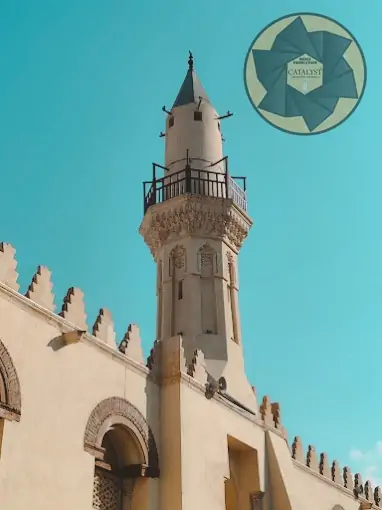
305	74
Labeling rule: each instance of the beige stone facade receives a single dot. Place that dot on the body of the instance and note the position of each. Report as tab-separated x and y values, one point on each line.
87	424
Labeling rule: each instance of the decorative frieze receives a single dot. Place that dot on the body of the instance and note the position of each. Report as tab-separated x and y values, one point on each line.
199	216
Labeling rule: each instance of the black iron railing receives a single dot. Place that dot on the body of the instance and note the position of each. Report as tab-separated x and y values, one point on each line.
194	181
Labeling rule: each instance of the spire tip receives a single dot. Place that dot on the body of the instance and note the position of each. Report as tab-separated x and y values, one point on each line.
190	61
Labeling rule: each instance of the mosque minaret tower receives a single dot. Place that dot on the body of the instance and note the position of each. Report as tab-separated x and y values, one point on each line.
195	221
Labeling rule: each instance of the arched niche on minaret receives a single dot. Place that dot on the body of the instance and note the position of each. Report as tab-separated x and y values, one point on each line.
208	267
232	296
177	269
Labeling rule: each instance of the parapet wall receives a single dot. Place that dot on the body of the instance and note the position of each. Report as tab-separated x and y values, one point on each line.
331	471
40	291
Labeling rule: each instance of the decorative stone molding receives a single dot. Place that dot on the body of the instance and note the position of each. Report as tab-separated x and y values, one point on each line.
324	466
116	410
40	290
368	491
270	413
336	473
332	473
10	396
8	265
197	367
311	459
178	256
230	257
194	215
131	344
104	327
73	308
348	478
207	259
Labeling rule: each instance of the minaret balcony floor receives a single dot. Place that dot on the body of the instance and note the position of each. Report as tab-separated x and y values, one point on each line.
194	181
191	215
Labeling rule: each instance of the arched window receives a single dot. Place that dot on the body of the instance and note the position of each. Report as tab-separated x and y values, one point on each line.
10	398
125	454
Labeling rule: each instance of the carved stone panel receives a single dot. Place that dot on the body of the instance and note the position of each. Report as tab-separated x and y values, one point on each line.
106	491
195	216
207	259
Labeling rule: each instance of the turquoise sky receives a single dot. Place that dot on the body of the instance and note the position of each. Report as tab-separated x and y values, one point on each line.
81	91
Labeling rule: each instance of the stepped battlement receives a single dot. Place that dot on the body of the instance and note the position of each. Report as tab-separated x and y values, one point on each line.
72	310
320	465
40	292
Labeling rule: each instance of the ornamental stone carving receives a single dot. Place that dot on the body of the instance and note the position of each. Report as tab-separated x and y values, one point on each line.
207	259
118	410
194	215
10	394
178	255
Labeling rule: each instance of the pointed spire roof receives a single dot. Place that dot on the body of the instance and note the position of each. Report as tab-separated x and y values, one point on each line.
191	90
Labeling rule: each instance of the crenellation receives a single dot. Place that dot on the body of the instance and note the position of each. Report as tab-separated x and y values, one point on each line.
348	478
167	361
368	491
336	473
131	344
377	495
311	459
153	360
211	456
266	412
358	485
73	308
40	289
104	327
276	412
297	450
324	468
197	367
8	265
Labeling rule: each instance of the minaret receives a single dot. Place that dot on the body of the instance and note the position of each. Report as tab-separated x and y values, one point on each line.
195	222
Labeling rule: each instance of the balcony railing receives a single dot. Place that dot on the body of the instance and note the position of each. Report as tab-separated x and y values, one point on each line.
191	181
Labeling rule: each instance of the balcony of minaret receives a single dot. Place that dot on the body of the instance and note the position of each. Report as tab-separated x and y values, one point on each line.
212	181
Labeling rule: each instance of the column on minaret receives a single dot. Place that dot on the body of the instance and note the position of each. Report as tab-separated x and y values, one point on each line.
233	293
207	258
159	298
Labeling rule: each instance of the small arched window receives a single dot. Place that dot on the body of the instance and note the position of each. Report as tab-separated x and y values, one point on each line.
126	457
198	115
10	397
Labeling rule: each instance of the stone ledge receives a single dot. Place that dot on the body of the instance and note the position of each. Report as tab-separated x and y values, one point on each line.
65	326
326	480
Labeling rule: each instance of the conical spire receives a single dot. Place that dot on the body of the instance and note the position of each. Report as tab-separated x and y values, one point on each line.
191	90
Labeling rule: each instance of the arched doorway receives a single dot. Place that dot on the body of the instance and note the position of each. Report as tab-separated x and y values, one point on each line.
125	455
10	395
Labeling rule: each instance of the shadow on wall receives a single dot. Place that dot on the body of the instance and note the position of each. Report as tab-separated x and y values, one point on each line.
153	420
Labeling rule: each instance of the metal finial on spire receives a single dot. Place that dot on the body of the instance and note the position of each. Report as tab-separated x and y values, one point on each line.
190	61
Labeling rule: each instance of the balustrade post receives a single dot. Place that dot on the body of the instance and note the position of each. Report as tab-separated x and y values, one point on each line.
227	179
188	179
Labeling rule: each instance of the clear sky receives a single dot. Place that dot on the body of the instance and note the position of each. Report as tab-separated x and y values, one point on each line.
81	91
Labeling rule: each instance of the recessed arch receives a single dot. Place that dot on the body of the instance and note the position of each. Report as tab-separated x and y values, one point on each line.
116	411
10	394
